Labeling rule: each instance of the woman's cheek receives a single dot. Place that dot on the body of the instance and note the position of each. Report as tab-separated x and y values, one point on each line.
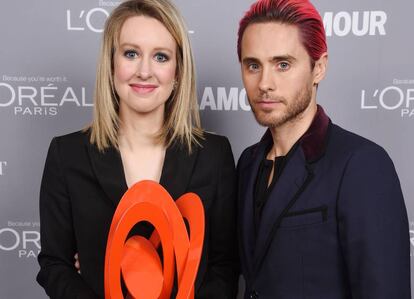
123	69
167	75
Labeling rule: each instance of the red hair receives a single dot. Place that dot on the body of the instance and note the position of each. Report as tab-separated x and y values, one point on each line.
300	13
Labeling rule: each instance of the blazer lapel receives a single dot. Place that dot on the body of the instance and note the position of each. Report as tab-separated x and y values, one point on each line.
109	171
175	176
294	179
177	169
247	182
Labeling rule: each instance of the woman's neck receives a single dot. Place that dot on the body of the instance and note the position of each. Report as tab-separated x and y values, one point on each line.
139	130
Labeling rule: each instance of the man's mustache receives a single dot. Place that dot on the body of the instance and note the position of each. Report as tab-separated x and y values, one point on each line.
269	98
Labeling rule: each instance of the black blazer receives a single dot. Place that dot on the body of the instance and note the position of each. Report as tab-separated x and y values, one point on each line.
81	188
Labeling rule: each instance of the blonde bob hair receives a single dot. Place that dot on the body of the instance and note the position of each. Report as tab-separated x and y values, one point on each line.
181	117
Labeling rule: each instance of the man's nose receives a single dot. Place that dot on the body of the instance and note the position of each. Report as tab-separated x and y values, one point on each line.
267	80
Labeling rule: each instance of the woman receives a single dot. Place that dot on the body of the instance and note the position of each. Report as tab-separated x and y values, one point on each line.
146	126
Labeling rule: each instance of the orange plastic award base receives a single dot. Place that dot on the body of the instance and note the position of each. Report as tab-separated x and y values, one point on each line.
137	258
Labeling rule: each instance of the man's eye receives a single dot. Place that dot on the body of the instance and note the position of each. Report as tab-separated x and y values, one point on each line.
284	66
253	67
131	54
161	57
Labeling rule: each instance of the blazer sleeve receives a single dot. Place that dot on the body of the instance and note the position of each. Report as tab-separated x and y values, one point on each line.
373	227
57	274
221	280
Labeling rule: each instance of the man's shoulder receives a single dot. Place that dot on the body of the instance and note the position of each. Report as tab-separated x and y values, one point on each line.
340	142
247	155
347	143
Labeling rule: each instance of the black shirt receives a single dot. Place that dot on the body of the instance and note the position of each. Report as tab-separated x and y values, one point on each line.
262	190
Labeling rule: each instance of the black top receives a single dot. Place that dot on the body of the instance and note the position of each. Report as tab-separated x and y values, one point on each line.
262	190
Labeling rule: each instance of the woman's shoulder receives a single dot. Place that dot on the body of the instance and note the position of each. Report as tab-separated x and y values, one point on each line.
76	138
68	151
213	139
70	146
214	143
215	154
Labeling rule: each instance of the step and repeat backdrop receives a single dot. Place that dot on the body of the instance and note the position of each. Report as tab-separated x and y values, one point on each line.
48	57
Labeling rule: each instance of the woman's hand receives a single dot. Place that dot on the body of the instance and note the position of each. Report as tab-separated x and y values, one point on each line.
77	263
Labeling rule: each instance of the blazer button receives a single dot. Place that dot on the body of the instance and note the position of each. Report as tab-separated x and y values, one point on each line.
254	295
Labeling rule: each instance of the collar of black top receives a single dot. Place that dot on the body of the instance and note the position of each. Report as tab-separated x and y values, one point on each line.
313	142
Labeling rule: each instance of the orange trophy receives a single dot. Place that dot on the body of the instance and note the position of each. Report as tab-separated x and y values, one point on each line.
137	258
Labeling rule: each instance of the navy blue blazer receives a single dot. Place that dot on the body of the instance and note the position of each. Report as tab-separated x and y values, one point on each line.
334	226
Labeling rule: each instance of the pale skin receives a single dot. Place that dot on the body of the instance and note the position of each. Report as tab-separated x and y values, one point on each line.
278	77
144	75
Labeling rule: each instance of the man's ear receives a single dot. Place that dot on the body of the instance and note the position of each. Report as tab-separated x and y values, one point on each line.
319	70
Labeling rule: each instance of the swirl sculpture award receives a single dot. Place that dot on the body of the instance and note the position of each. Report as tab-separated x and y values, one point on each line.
145	276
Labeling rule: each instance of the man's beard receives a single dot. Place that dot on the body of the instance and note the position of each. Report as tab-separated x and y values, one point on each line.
292	111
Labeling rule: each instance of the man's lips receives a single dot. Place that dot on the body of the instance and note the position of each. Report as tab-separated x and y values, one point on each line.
143	88
267	103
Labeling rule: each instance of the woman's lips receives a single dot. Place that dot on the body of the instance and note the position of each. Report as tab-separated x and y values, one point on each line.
143	88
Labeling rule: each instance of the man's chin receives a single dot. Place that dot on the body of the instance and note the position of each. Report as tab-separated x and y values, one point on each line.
267	119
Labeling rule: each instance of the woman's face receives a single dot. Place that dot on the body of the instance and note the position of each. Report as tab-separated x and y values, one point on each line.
144	66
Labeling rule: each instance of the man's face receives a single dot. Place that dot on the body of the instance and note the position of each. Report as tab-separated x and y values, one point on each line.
277	73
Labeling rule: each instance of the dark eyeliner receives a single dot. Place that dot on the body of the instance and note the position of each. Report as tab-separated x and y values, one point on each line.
129	51
165	56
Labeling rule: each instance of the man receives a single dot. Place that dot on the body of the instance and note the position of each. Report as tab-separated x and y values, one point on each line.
321	210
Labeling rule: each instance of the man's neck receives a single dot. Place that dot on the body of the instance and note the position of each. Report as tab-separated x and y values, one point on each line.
285	136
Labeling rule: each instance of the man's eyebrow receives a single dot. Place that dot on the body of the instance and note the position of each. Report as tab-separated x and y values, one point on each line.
283	57
248	60
276	58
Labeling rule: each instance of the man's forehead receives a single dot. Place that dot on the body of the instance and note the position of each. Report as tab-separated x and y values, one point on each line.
271	39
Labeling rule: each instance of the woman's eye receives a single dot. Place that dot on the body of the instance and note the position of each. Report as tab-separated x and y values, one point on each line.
160	57
284	66
131	54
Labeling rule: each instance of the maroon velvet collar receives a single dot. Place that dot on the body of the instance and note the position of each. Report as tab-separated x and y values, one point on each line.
313	142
